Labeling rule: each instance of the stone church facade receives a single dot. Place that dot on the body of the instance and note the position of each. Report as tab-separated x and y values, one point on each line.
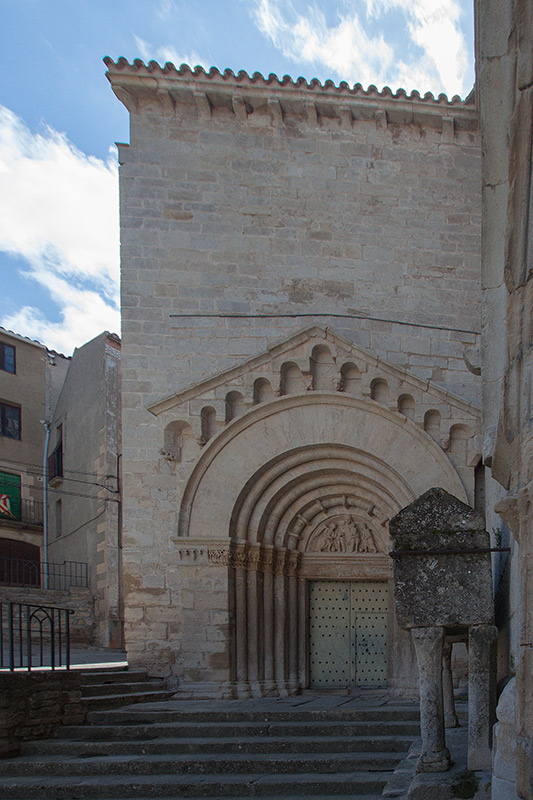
301	312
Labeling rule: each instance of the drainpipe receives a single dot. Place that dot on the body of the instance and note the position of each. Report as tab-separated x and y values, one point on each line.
48	427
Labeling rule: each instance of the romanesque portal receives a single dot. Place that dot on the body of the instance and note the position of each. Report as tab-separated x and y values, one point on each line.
283	536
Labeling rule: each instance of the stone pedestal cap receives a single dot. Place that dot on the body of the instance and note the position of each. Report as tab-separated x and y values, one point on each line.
442	564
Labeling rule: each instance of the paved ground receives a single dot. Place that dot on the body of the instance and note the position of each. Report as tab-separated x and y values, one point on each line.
84	658
93	658
307	701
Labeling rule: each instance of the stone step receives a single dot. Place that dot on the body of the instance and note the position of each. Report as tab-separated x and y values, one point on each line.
121	687
107	675
350	796
170	714
113	701
142	787
272	763
69	748
242	730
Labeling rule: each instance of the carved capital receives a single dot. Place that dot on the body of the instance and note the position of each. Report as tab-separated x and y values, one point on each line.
292	561
280	561
267	560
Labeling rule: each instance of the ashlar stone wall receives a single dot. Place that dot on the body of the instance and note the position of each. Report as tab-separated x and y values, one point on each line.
250	210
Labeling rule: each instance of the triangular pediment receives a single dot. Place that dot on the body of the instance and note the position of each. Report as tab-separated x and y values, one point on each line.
298	350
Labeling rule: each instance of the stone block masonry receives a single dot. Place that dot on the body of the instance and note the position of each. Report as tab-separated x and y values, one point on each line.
251	210
34	705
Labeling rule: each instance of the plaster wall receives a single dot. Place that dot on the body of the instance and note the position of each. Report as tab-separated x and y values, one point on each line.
34	387
84	512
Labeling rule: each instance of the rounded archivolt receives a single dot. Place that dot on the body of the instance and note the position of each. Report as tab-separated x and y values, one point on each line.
300	489
279	505
262	437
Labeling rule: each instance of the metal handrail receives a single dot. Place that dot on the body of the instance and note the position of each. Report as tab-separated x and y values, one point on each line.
43	574
29	512
34	636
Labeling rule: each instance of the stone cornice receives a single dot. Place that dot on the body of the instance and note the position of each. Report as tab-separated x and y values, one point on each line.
284	346
138	85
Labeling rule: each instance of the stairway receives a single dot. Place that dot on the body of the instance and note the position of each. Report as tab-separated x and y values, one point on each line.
232	749
111	688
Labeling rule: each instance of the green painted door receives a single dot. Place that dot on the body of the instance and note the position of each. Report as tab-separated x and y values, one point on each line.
348	634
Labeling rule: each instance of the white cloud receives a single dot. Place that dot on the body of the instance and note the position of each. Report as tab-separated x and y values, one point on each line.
164	53
59	212
434	25
348	51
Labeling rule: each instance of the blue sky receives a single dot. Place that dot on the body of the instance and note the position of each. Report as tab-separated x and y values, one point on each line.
59	118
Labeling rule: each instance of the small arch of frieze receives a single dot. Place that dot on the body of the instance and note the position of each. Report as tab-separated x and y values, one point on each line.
287	403
361	385
178	442
223	390
302	362
196	404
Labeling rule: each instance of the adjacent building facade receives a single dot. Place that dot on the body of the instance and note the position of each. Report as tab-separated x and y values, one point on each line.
301	312
31	377
84	518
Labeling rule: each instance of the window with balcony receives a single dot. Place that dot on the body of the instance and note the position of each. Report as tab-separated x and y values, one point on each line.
55	460
7	358
9	421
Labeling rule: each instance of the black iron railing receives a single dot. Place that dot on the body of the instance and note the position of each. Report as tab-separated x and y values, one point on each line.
34	636
43	574
29	512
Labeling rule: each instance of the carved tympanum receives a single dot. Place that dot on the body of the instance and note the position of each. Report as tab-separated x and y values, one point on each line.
345	534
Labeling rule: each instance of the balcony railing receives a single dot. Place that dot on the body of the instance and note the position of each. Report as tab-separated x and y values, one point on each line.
43	574
31	513
34	636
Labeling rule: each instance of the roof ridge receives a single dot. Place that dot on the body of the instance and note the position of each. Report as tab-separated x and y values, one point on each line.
138	65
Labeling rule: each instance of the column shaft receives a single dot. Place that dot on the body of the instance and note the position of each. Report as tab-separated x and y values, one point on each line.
481	695
428	644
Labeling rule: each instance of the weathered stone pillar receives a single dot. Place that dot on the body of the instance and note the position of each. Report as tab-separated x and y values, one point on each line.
481	695
252	629
240	629
435	756
280	622
268	621
239	558
450	717
293	558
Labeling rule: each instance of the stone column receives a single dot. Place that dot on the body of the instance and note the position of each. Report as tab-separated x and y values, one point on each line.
241	660
435	756
268	621
252	624
450	717
293	558
481	695
280	622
